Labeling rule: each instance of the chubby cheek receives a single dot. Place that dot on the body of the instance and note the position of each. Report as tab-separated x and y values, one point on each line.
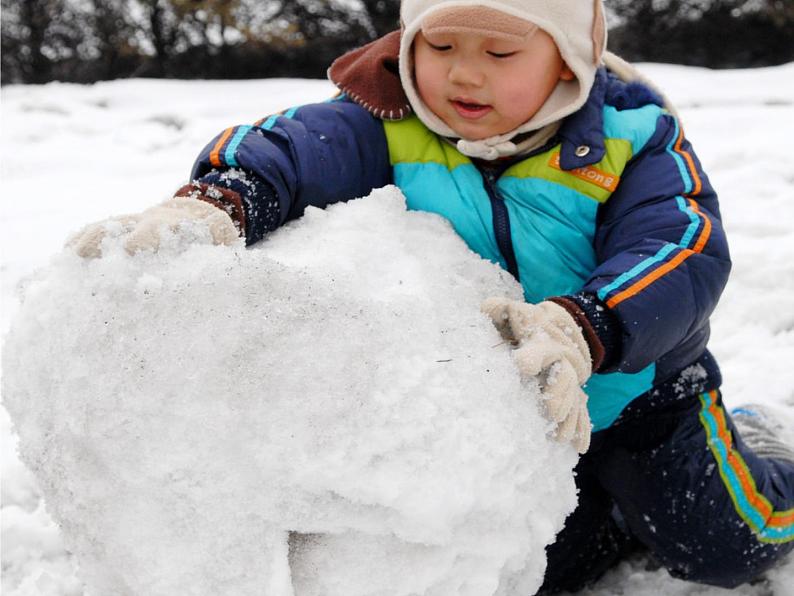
430	91
518	100
429	82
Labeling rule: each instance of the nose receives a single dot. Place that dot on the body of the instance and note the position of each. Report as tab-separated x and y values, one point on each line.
466	74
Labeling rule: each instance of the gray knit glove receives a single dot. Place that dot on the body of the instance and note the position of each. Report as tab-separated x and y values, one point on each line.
143	231
551	347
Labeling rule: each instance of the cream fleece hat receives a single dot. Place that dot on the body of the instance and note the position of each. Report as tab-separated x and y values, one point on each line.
578	28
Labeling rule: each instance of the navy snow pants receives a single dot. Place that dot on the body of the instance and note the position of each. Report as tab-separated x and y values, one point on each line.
679	484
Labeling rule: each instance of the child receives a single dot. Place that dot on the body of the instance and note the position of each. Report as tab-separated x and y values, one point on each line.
501	116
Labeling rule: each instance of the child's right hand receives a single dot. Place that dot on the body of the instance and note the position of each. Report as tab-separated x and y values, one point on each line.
143	231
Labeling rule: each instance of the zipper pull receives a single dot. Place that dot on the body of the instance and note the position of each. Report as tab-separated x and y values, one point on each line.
490	179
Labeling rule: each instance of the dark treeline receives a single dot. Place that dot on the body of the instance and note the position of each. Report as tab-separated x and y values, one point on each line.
89	40
712	33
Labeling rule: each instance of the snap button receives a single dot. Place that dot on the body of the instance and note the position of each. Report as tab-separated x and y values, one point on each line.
582	150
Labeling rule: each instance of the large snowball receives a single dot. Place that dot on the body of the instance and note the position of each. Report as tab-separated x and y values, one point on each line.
325	414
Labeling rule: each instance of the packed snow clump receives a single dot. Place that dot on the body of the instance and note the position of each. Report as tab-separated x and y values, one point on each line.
327	413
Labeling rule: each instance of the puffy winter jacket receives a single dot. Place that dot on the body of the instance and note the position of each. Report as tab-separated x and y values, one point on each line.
614	213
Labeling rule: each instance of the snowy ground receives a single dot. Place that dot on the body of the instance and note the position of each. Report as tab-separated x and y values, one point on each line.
74	154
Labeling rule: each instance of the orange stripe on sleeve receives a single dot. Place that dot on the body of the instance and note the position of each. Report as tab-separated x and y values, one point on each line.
706	233
637	287
650	278
215	154
690	162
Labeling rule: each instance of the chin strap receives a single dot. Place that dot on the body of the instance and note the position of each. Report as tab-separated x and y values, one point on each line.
484	150
500	146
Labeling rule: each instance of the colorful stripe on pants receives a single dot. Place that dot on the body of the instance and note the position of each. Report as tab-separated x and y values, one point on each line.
752	506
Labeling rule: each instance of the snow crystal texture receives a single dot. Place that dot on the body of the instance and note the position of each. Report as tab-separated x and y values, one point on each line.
327	413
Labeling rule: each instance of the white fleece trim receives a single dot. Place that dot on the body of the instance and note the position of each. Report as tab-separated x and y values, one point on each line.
628	73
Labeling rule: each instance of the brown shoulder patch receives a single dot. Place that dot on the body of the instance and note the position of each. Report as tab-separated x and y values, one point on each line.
369	75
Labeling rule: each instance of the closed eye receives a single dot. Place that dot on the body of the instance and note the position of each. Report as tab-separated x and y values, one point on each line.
439	48
502	54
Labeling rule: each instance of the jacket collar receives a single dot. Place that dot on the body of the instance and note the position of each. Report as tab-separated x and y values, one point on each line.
582	133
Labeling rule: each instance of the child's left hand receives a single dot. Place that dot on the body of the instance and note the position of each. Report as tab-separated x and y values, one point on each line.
551	346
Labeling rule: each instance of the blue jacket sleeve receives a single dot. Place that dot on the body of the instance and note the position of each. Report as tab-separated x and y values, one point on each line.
316	155
662	253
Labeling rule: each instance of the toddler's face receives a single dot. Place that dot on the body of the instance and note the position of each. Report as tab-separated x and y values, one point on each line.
484	86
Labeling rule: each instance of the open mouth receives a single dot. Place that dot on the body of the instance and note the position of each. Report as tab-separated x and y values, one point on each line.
469	109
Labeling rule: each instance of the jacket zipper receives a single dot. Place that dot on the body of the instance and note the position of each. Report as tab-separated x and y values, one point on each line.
501	223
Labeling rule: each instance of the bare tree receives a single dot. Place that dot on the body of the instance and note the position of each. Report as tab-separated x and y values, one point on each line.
36	36
110	39
383	15
160	25
210	25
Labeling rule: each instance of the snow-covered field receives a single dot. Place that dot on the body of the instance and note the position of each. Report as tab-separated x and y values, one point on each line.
75	154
